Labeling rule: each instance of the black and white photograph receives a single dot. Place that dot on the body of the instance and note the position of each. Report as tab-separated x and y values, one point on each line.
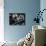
17	18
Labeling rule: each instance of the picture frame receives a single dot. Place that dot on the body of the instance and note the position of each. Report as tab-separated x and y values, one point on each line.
17	18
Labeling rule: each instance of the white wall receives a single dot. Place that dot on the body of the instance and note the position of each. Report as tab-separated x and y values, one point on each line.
1	21
43	6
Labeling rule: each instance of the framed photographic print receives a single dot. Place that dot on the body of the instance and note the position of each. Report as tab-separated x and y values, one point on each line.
17	18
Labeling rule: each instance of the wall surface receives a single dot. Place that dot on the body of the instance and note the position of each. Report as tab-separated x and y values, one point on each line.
1	21
43	6
29	7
